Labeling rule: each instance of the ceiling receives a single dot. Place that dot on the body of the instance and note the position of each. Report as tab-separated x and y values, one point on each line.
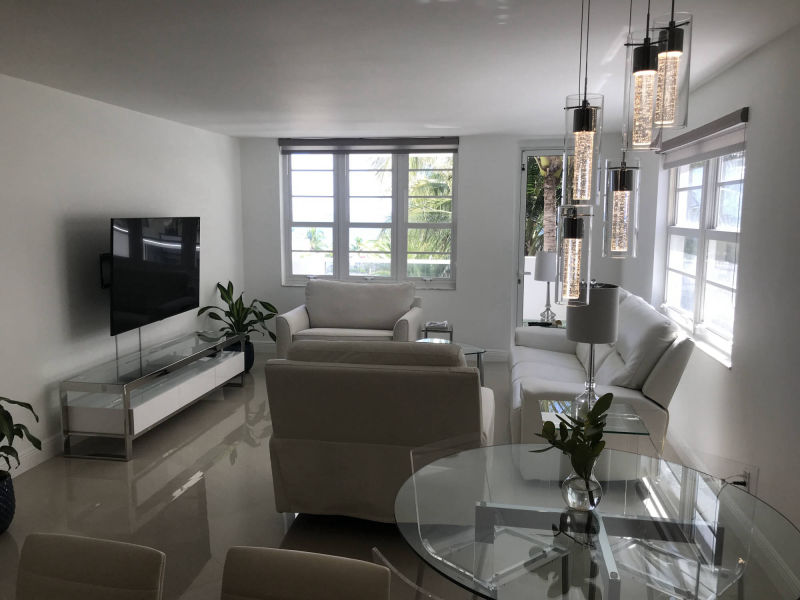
356	67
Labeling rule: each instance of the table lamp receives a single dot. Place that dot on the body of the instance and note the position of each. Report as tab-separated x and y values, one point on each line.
594	323
545	270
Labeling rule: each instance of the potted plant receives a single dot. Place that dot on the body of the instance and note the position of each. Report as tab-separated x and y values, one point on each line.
242	318
580	438
9	431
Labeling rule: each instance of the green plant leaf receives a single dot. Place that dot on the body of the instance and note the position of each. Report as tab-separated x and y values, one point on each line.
6	424
268	306
563	430
9	452
24	405
549	430
602	405
215	317
20	430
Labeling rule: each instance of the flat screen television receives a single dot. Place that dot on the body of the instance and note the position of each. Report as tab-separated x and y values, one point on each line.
155	269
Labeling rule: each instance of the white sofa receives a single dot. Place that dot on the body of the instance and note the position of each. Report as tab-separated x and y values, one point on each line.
346	416
336	310
642	369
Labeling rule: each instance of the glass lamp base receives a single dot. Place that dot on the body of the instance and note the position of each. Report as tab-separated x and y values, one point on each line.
584	402
547	315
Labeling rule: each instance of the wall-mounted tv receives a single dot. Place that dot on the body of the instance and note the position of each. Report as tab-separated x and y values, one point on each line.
155	269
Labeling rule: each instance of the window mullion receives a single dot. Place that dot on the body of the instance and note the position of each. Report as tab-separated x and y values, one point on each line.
400	216
342	225
702	250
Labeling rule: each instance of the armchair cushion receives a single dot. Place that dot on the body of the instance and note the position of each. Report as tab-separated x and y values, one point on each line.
357	305
338	333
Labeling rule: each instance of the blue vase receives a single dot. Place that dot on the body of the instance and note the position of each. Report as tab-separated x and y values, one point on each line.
7	501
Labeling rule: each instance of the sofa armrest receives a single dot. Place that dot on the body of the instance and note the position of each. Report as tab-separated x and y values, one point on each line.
408	326
287	325
544	338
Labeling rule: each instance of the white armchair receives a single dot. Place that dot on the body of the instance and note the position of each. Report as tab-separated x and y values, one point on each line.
335	310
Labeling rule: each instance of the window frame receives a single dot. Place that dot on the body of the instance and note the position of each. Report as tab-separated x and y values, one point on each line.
718	343
341	223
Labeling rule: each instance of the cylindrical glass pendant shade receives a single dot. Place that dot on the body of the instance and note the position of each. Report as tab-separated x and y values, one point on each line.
574	253
620	222
640	91
584	126
674	40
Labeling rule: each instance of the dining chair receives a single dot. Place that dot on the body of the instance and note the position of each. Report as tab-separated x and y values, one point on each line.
402	587
278	574
68	567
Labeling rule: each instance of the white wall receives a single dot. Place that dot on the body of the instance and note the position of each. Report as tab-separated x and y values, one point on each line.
68	164
749	414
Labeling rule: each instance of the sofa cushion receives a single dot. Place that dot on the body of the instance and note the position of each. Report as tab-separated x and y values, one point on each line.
533	362
337	334
357	305
601	352
378	353
644	335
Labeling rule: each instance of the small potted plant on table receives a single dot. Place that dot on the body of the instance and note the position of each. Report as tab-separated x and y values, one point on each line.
9	431
581	439
242	318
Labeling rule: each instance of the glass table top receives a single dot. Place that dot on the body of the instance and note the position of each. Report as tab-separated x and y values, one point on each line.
137	365
493	520
620	418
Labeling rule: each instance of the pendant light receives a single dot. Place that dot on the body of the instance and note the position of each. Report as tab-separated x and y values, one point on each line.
620	223
574	253
672	86
584	123
581	150
641	75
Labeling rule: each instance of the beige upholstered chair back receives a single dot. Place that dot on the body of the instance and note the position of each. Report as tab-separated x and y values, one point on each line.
274	574
65	567
345	416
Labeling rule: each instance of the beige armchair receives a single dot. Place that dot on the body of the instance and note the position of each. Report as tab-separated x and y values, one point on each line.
336	310
346	416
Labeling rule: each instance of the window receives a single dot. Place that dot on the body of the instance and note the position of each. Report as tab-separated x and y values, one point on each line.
703	246
369	214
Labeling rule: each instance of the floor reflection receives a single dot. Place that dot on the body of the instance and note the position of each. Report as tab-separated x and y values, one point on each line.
199	483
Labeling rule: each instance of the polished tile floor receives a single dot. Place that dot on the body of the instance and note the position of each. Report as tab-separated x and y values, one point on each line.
199	484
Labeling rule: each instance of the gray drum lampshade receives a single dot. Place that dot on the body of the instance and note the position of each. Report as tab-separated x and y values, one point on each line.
595	323
546	266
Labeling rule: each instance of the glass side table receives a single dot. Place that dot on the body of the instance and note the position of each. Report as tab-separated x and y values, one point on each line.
467	349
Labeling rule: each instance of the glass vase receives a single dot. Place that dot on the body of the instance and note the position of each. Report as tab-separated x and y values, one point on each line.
580	496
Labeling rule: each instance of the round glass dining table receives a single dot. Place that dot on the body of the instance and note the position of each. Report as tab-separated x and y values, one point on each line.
493	520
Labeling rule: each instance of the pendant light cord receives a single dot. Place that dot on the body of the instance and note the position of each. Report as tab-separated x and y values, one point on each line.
580	51
586	65
630	18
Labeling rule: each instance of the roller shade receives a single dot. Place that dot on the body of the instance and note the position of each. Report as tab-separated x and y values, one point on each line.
367	145
723	136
